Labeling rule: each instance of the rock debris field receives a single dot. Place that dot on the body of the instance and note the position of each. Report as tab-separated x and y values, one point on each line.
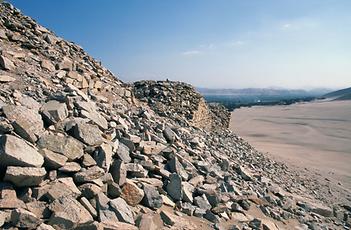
80	149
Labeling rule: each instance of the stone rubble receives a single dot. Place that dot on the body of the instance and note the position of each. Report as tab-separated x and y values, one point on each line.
80	149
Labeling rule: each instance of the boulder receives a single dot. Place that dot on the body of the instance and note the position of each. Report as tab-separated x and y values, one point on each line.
8	197
123	153
68	213
202	202
89	134
103	156
24	176
188	190
6	63
22	218
89	175
87	205
131	193
26	122
59	188
146	222
167	218
6	78
47	65
152	197
174	187
95	117
119	172
65	145
89	190
53	160
105	213
70	167
16	152
54	111
122	210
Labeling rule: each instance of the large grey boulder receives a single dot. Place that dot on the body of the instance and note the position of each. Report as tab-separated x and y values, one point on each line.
89	134
24	176
152	197
54	111
26	122
103	156
53	160
68	213
123	153
59	188
122	210
16	152
67	146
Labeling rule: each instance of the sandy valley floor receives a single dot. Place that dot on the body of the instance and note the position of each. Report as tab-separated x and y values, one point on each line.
311	135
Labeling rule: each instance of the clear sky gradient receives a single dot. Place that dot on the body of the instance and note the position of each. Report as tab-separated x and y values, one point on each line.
210	43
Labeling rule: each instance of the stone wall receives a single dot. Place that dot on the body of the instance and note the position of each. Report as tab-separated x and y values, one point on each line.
180	101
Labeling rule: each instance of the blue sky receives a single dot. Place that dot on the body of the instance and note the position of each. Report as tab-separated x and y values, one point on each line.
210	43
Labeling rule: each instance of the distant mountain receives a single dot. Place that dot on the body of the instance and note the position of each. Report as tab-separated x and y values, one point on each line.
342	94
263	92
236	98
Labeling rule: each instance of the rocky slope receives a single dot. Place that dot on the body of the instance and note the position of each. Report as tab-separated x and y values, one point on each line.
80	151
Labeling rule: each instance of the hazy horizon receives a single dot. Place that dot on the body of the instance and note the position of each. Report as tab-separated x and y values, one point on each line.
210	44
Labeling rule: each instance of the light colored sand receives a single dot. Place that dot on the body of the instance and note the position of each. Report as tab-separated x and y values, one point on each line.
313	135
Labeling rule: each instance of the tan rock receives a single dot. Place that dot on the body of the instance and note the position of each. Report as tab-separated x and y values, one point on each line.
6	78
16	152
131	193
24	176
26	122
46	64
6	63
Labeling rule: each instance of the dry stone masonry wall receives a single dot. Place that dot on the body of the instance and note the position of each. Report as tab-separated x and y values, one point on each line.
181	102
78	151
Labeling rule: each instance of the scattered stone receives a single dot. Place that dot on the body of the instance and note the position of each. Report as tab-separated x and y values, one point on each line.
152	198
86	204
6	78
89	134
6	63
89	175
174	187
146	222
123	153
24	176
119	172
202	202
131	193
65	145
70	167
54	111
68	213
47	65
104	155
16	152
122	210
167	218
24	219
26	122
53	160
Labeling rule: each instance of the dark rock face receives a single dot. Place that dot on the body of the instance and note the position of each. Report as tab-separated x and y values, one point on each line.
80	150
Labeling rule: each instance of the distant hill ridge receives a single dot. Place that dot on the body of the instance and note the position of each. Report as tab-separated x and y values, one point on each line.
342	94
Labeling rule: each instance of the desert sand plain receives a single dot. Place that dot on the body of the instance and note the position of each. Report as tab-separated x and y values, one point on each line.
315	135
